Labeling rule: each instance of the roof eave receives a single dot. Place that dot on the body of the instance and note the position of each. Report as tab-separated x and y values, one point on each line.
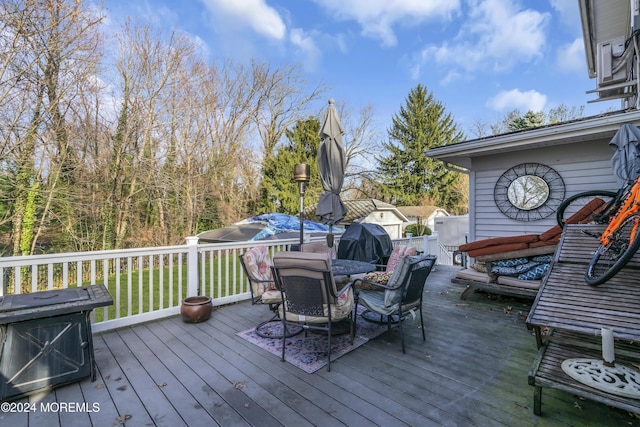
598	127
586	17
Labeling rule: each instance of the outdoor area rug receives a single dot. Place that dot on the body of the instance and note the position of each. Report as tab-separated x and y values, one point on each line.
310	353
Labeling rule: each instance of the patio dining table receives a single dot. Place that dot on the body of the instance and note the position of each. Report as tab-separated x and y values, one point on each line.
348	267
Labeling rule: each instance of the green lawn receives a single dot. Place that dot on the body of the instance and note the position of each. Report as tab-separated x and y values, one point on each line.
170	288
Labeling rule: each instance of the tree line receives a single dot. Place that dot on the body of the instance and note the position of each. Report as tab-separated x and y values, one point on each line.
130	138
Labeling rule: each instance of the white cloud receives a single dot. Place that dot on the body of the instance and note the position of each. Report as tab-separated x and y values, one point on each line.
517	99
496	34
378	17
571	57
568	11
304	42
255	14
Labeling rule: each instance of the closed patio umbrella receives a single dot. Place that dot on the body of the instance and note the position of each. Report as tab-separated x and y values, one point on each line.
626	159
331	163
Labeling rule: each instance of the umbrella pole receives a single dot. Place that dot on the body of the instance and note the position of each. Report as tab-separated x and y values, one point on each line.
301	209
330	243
301	175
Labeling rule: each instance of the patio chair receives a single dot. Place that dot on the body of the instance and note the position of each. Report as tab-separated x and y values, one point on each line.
319	248
256	264
384	272
402	294
310	298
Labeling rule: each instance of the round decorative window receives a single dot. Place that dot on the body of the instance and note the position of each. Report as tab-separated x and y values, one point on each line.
529	191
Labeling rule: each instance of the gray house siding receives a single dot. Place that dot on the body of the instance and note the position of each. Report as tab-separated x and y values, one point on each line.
582	165
578	150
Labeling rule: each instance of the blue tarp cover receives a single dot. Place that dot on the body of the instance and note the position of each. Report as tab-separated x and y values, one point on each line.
277	223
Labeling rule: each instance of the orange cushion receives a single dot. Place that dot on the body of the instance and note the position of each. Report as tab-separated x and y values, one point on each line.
497	249
551	233
585	212
495	241
553	241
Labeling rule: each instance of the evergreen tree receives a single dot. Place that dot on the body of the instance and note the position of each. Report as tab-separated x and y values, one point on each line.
407	175
279	193
530	120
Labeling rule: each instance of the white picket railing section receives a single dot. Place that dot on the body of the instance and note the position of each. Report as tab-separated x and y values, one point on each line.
150	283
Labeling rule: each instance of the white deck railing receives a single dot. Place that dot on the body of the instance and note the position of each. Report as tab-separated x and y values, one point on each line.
149	283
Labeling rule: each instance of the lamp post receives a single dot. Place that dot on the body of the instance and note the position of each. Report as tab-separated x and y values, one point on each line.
301	175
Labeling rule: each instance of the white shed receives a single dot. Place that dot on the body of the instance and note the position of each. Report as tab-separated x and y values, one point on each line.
425	215
374	211
370	211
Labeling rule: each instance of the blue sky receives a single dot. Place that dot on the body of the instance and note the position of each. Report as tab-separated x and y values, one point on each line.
480	58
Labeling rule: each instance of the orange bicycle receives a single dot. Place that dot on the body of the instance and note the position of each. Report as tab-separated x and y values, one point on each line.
620	240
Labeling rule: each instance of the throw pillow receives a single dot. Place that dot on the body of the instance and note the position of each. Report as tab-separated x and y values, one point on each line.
514	270
535	273
397	253
542	258
381	277
511	262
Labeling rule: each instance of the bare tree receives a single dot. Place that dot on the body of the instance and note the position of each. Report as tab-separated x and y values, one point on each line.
282	100
145	147
361	144
50	47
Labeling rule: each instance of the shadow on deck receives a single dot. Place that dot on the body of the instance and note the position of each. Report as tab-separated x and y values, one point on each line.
471	371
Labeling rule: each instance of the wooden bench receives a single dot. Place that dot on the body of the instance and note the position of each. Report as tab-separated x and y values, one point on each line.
573	313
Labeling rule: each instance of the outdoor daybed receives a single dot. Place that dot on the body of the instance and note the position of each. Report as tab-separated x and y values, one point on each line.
515	265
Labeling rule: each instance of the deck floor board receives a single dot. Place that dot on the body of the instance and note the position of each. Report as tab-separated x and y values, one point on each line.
471	371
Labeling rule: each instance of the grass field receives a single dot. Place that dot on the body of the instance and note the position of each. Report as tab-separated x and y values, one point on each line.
158	288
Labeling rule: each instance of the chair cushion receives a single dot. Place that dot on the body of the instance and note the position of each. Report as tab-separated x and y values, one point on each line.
536	273
498	249
514	270
381	277
510	262
584	214
319	248
344	303
271	296
392	297
551	233
499	241
473	275
258	263
397	253
374	300
515	282
551	242
339	311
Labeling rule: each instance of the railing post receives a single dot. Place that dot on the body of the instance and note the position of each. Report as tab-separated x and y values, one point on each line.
192	266
425	245
434	248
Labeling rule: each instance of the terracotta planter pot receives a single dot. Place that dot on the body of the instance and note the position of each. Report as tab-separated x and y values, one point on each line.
196	309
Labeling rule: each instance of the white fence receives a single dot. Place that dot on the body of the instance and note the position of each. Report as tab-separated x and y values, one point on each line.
150	283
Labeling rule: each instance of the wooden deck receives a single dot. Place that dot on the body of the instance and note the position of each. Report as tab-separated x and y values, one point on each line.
471	371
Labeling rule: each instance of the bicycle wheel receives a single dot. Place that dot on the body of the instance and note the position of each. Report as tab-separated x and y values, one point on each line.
609	260
576	202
